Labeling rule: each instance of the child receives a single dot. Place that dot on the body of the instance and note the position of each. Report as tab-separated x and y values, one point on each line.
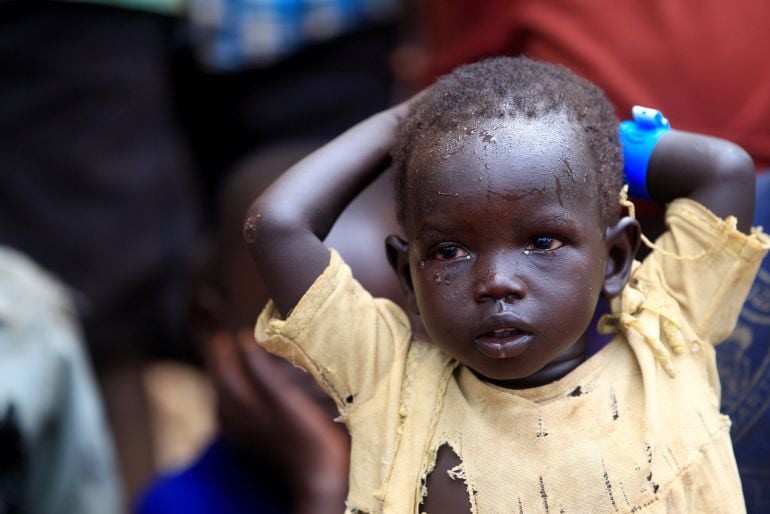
507	176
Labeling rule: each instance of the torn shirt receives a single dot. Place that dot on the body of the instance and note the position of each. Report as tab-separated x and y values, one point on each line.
617	434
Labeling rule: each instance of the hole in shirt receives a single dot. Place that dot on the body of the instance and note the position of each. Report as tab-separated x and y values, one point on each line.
447	490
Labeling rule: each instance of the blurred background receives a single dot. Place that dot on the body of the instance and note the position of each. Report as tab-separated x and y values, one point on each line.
135	133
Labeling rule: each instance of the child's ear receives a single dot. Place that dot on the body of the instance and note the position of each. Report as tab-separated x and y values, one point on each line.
622	242
397	251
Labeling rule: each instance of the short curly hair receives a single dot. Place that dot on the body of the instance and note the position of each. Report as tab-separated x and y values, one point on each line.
508	87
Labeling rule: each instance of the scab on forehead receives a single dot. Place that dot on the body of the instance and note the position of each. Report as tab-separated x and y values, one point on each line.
545	155
508	143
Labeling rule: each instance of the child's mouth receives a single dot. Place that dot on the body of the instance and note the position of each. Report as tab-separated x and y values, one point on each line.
503	343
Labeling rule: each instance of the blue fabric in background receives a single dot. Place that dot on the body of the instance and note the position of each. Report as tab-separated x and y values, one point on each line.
221	481
744	369
233	35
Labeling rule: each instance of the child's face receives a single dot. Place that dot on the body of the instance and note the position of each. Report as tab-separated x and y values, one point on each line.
506	246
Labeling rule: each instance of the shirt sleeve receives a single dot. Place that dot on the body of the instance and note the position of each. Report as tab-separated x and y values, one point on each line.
705	265
348	340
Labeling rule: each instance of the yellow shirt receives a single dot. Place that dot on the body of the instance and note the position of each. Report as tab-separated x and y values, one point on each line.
617	434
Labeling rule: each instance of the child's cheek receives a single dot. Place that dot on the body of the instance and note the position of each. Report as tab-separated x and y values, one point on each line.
440	299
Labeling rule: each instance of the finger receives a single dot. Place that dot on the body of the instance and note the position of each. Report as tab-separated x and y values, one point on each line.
228	374
273	378
264	372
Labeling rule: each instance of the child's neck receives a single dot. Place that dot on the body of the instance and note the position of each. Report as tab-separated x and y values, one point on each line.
589	343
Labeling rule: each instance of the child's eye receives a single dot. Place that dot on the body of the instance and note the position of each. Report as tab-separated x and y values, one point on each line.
544	243
449	252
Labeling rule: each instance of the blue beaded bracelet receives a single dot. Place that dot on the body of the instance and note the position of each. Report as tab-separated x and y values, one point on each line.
638	138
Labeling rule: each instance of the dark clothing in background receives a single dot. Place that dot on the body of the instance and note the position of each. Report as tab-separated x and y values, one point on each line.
113	143
110	136
96	183
315	94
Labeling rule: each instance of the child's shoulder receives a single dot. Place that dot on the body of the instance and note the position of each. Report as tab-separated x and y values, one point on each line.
690	289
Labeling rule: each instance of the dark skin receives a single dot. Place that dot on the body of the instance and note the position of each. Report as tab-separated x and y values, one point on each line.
500	240
506	252
266	407
273	412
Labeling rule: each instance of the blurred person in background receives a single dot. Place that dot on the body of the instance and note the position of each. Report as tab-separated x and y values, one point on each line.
258	73
279	449
55	450
97	184
114	135
251	76
700	63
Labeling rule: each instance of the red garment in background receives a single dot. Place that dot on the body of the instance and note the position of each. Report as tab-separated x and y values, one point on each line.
704	63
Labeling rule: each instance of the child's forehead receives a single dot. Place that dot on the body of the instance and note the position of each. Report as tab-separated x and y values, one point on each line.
543	148
496	167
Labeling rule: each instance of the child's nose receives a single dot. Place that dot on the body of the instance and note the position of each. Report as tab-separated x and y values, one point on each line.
497	283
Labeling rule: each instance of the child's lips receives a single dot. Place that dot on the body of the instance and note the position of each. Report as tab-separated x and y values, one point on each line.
503	343
504	335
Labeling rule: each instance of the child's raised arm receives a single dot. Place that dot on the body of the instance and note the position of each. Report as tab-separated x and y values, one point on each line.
286	225
714	172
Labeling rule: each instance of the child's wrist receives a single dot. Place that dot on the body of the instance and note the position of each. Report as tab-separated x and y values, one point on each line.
638	138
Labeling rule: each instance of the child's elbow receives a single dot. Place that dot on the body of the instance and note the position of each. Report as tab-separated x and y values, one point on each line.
734	166
264	221
732	183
